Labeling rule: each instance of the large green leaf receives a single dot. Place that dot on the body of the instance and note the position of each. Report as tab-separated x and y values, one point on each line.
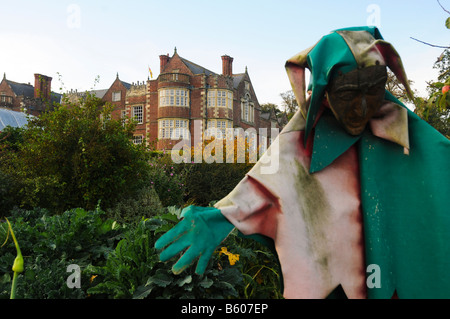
160	279
142	292
206	283
185	280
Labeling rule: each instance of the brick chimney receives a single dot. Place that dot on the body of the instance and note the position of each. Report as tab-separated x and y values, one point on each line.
227	65
163	59
42	86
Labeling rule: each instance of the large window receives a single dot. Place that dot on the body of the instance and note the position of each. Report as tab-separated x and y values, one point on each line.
247	109
220	98
138	114
218	128
174	97
5	99
173	128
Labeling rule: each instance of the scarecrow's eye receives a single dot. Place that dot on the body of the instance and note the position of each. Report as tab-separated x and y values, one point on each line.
347	95
376	89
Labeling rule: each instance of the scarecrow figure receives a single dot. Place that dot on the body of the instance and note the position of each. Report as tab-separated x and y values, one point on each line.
363	183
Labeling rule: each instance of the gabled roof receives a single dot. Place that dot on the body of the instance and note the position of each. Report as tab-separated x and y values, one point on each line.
125	84
195	68
237	79
266	115
12	118
27	90
21	88
99	93
269	115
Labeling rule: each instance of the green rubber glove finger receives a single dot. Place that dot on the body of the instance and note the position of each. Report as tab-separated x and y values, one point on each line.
202	229
174	249
186	259
173	234
203	262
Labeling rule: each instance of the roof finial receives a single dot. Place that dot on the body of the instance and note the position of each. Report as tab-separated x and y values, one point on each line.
246	70
117	75
175	51
4	75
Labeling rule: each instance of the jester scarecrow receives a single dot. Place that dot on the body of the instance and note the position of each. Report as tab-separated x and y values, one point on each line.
361	181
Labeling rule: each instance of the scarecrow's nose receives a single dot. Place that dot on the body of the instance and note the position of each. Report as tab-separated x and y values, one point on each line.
363	106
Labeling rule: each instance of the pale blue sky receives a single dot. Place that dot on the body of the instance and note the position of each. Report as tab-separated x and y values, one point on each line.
85	39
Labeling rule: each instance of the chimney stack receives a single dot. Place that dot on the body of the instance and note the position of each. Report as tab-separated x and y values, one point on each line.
227	65
164	59
42	86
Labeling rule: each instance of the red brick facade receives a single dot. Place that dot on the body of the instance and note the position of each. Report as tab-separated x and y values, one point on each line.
22	97
183	93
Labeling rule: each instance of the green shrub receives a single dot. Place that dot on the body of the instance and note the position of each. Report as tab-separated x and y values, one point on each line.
133	270
127	266
49	244
72	157
145	203
6	186
259	267
168	180
211	182
120	261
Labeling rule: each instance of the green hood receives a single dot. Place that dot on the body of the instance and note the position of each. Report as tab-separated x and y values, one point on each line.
341	50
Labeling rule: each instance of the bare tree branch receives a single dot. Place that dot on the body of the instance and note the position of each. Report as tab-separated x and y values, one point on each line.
432	45
443	7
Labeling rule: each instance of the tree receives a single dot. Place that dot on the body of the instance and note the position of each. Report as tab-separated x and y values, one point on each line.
76	156
447	25
442	64
436	108
289	103
396	88
10	139
266	107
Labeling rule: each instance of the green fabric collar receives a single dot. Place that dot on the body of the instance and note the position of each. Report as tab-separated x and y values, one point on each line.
331	140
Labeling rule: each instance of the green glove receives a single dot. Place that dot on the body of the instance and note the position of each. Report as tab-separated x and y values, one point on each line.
201	230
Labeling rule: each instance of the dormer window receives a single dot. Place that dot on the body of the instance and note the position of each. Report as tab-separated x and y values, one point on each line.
116	96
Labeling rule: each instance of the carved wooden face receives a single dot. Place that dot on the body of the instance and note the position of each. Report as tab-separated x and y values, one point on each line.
354	97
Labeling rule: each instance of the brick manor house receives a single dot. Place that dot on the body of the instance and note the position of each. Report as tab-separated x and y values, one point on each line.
24	97
167	107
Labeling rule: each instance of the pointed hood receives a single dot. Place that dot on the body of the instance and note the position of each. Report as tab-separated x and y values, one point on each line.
342	50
